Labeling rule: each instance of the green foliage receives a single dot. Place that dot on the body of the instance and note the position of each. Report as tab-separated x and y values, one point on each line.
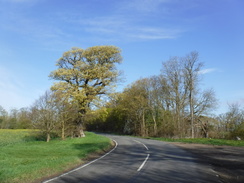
23	159
15	119
85	74
106	120
161	105
237	132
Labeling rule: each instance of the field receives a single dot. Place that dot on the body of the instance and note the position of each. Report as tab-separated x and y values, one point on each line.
24	159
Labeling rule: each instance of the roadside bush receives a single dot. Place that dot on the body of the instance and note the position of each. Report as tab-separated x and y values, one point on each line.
39	136
238	132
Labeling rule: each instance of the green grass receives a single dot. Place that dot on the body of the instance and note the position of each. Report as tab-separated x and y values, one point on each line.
23	160
219	142
8	137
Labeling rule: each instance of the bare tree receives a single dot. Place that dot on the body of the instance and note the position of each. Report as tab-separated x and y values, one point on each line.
192	66
3	117
182	78
172	73
44	114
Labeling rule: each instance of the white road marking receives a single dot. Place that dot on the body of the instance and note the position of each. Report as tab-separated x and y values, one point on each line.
142	144
144	162
83	166
139	169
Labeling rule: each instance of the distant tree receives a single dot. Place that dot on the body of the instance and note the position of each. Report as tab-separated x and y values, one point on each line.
3	117
23	119
192	66
170	104
85	75
181	77
175	87
44	114
66	114
231	123
234	117
13	119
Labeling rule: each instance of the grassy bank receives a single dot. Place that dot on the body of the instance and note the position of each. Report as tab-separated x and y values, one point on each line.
24	160
219	142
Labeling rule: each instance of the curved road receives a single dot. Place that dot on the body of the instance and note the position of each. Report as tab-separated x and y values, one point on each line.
136	160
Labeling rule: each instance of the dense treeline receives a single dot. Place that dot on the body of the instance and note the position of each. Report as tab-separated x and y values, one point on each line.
133	112
170	104
15	119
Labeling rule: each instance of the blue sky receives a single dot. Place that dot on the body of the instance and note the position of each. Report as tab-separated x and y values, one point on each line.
35	33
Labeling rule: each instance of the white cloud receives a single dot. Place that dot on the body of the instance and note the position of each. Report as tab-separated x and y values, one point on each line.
19	1
119	26
205	71
155	33
144	6
128	29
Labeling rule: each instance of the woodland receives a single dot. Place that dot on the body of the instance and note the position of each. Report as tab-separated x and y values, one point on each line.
83	97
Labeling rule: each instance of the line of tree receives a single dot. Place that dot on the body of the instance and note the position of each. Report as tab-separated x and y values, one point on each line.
83	76
170	104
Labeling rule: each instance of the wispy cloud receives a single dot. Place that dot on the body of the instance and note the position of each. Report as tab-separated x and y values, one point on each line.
144	6
152	33
206	71
42	32
19	1
128	29
116	26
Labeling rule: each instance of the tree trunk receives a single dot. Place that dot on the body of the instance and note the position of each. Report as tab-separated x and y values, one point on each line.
80	131
81	120
143	130
192	115
154	125
62	130
48	137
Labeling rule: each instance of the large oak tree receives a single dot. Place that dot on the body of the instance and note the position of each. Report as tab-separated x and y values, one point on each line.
85	74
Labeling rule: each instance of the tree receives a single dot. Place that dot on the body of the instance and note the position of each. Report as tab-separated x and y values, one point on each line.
12	119
66	114
181	78
191	73
175	89
44	114
234	117
135	102
23	119
231	123
84	75
3	117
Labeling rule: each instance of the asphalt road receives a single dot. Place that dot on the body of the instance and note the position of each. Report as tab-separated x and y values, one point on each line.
136	160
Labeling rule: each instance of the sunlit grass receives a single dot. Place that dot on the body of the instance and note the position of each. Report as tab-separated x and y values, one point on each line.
8	137
209	141
24	161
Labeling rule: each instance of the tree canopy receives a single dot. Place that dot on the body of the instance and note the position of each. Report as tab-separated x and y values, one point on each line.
85	74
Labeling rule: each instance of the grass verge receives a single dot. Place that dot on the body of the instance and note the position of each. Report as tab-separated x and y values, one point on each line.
25	161
219	142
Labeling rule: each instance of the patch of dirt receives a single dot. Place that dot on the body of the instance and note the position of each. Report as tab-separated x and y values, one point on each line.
226	161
